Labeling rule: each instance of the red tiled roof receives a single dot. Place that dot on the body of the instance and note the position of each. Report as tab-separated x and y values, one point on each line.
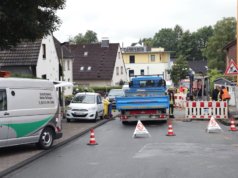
100	59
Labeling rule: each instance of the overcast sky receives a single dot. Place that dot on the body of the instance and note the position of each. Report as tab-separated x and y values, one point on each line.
127	21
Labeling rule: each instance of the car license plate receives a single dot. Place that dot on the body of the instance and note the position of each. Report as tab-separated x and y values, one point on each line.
78	113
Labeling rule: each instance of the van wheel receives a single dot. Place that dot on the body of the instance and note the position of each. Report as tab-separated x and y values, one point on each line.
46	139
68	120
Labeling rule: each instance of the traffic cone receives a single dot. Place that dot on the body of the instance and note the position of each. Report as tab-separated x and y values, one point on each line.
233	126
92	140
170	130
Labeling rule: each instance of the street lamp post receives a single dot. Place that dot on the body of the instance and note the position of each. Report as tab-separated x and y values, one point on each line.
191	79
236	40
63	68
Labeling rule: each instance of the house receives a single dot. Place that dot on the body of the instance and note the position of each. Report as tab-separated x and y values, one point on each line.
230	49
198	66
32	59
98	64
140	60
66	64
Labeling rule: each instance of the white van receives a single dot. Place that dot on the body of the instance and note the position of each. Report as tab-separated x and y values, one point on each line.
29	112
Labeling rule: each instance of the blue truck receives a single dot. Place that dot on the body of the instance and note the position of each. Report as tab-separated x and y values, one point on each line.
145	100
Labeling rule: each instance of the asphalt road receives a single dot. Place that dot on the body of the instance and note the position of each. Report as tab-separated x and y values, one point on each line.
191	153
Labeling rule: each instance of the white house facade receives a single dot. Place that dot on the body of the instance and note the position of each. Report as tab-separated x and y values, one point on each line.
48	64
119	72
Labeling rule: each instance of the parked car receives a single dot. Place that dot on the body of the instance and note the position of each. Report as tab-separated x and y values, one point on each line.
86	106
113	93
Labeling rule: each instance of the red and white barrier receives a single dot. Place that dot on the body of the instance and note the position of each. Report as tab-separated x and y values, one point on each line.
206	110
180	100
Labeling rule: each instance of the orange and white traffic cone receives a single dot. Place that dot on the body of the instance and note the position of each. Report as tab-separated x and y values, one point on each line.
233	126
170	130
92	140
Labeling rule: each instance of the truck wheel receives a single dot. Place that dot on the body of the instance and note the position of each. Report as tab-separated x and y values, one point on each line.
46	139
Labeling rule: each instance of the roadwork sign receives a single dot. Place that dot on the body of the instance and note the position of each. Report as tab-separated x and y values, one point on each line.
140	130
231	69
213	126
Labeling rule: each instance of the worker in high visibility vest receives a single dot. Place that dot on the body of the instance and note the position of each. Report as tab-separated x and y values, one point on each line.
225	96
171	103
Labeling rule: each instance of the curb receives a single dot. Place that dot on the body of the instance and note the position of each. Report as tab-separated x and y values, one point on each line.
44	152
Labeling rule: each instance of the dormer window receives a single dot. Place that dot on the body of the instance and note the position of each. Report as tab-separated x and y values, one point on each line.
85	53
89	68
81	68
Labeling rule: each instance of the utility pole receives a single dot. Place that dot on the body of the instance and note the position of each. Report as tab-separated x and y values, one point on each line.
237	39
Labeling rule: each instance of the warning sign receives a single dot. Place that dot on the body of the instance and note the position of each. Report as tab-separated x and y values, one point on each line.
140	130
231	68
213	126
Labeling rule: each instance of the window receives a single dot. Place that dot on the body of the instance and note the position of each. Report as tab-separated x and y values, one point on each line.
44	51
68	63
152	58
99	100
43	76
132	59
142	72
89	68
160	57
117	70
82	68
121	70
64	65
85	53
131	73
3	100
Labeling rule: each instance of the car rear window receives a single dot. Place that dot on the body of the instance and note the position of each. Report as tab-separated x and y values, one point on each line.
116	93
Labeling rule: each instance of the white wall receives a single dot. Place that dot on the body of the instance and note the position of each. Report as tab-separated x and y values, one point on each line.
50	65
68	75
122	73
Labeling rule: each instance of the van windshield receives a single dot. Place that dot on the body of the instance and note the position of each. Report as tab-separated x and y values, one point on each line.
88	99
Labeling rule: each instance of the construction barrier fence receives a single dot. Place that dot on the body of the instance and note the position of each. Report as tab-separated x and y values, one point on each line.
206	110
180	100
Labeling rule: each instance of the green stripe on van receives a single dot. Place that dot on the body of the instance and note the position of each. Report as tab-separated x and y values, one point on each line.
23	129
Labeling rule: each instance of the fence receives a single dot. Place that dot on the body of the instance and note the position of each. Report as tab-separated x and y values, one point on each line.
180	100
206	109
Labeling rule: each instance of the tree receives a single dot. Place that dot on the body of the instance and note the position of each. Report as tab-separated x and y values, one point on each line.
224	32
201	37
165	38
179	70
187	46
147	42
89	37
213	75
168	38
27	20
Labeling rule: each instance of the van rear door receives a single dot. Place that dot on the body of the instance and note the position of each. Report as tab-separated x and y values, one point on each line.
3	117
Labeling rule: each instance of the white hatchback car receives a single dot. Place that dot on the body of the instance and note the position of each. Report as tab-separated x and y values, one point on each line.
85	106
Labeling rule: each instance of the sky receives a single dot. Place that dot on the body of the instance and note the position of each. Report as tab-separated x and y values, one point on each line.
128	21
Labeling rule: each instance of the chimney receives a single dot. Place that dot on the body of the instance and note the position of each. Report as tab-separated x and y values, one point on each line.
105	42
